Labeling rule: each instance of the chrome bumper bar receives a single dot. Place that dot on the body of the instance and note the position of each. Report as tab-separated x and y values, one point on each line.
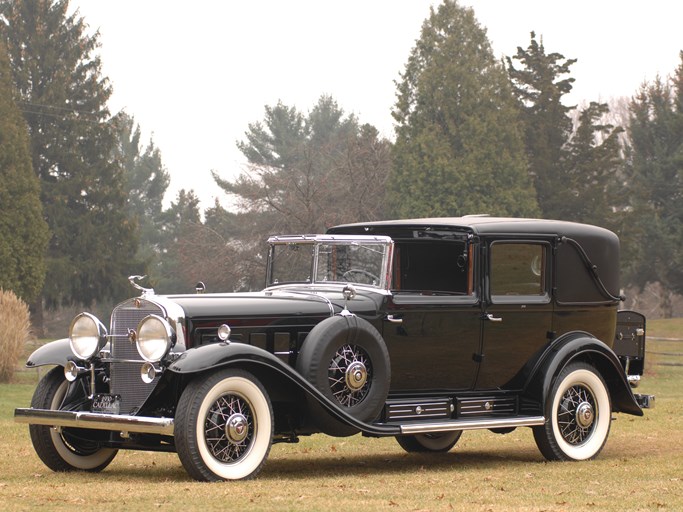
96	421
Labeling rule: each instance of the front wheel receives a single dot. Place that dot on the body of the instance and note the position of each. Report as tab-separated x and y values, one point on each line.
61	450
578	415
224	426
435	442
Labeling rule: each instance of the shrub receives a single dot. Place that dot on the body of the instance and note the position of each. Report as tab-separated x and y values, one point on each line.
15	329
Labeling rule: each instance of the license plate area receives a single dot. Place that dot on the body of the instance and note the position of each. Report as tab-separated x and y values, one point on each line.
106	403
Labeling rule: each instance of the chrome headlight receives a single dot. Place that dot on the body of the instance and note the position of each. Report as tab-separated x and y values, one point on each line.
155	338
87	335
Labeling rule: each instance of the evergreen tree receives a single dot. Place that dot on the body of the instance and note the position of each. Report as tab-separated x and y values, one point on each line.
588	180
146	181
307	173
655	184
181	258
459	145
23	231
539	87
238	238
63	97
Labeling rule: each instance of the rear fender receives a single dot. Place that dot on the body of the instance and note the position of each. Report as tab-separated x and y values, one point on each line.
581	346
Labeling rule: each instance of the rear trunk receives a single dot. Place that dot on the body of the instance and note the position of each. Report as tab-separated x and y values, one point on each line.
629	343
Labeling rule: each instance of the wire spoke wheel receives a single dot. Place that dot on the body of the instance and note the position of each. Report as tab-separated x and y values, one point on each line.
350	375
578	415
229	428
224	426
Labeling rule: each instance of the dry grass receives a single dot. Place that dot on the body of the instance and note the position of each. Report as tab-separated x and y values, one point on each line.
15	330
639	469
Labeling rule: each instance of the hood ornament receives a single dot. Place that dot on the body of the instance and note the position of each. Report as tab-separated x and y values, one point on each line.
349	292
145	291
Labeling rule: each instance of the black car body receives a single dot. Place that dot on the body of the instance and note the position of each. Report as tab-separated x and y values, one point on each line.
418	329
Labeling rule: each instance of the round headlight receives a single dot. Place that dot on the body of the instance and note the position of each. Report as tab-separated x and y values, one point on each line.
87	335
155	338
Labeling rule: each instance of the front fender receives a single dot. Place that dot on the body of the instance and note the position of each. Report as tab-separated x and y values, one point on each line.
56	352
582	346
220	355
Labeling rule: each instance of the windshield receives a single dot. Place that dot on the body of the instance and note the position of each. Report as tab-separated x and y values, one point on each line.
361	260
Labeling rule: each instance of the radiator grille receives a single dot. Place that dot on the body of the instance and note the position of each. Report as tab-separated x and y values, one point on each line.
125	376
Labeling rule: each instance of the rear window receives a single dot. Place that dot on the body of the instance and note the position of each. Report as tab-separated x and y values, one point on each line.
517	269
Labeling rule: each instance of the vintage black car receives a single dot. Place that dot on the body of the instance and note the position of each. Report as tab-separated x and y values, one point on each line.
417	329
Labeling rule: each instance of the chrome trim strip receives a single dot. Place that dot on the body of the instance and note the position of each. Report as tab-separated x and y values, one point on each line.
445	426
96	421
316	296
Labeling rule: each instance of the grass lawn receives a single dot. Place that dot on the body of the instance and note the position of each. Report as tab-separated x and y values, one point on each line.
639	469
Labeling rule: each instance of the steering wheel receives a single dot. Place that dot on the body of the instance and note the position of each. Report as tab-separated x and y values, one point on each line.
349	272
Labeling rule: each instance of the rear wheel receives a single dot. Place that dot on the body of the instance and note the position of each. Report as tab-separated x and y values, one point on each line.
435	442
61	450
578	415
224	426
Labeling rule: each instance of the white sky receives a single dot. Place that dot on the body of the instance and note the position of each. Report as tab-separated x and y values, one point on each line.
195	74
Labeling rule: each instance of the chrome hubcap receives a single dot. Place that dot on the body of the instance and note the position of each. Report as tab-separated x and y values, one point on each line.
356	376
350	375
237	428
585	415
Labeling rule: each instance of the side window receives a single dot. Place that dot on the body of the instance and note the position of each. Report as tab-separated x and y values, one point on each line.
517	269
433	268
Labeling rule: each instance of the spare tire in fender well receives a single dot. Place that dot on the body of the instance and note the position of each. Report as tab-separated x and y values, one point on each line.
346	359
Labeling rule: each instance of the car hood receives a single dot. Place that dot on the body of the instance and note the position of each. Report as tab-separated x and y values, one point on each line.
276	302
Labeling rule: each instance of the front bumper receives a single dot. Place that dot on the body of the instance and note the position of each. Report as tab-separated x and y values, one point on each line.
97	421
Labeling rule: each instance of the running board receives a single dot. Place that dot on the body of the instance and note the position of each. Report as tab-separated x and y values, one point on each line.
471	424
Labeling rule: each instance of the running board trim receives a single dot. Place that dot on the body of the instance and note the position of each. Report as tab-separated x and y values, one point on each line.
96	421
472	424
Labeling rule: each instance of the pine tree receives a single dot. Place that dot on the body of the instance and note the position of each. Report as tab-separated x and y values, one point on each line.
589	174
23	231
307	173
539	87
63	97
146	181
181	256
459	146
655	183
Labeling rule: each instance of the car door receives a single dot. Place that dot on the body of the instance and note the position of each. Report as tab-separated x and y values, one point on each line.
517	312
432	325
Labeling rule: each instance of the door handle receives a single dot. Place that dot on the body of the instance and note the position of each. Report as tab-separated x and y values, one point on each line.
492	318
394	320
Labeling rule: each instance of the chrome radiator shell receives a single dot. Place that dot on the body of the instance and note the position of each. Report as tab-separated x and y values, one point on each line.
126	362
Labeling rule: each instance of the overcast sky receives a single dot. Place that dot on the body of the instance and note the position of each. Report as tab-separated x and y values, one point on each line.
195	74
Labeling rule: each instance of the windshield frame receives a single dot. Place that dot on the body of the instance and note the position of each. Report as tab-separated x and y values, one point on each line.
319	240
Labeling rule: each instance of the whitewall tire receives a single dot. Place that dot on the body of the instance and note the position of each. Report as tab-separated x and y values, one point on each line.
224	426
578	415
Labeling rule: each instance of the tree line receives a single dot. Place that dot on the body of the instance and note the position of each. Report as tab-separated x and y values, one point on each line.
81	195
